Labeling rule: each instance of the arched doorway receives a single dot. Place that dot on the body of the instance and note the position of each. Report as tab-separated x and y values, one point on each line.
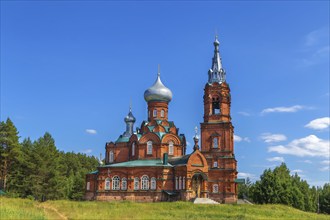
197	184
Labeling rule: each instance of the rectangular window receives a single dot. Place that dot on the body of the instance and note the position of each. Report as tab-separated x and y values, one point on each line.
155	113
162	113
215	188
149	147
136	183
215	164
88	186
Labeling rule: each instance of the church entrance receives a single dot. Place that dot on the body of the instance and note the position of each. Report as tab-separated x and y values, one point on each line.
197	185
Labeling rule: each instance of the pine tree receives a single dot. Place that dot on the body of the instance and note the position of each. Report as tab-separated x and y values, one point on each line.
10	152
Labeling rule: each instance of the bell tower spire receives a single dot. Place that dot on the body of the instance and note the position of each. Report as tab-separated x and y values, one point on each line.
216	73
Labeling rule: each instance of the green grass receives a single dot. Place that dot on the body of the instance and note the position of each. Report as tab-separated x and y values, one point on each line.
26	209
20	209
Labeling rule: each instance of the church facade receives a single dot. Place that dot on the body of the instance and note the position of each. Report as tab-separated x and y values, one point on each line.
151	164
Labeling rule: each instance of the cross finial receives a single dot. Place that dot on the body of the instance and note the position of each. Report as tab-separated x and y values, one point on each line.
158	70
130	104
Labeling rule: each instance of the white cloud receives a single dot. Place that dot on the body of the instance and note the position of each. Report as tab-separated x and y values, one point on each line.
319	123
325	162
294	108
316	37
244	113
246	175
239	139
276	159
87	151
91	131
188	143
271	138
326	168
308	146
296	171
307	161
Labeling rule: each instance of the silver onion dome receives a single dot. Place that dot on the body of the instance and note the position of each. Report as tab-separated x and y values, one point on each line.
130	117
158	92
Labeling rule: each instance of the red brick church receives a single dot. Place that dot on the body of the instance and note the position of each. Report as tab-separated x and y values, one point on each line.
151	164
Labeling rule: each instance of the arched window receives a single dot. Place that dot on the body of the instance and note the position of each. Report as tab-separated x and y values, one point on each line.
124	184
176	183
133	149
184	183
136	183
111	156
154	114
215	164
88	185
153	183
215	142
170	148
149	147
180	182
215	106
145	182
115	183
215	188
162	113
107	184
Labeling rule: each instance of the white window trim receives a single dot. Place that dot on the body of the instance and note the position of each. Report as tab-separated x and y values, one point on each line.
162	113
111	157
145	182
88	185
153	183
170	148
124	184
136	183
107	184
215	164
115	183
149	147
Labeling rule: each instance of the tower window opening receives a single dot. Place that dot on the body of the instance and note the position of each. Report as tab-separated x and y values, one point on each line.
215	143
149	147
170	148
133	149
162	113
215	106
111	157
154	114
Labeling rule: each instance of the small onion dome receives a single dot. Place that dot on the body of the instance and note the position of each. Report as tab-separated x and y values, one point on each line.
216	41
130	117
158	92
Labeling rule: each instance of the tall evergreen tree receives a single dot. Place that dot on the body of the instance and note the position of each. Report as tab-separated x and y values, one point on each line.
9	152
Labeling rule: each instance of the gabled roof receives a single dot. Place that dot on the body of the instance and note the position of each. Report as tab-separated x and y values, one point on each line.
179	160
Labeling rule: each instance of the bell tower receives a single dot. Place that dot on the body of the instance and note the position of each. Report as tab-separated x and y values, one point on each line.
217	131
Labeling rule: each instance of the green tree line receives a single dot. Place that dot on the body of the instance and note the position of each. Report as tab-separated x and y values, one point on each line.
37	169
277	186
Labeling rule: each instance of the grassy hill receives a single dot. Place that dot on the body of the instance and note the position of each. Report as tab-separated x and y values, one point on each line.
27	209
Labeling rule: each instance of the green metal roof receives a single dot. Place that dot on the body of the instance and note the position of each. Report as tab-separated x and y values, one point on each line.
179	160
241	180
122	139
94	172
139	163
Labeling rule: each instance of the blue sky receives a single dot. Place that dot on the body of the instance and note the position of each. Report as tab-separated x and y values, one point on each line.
71	68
